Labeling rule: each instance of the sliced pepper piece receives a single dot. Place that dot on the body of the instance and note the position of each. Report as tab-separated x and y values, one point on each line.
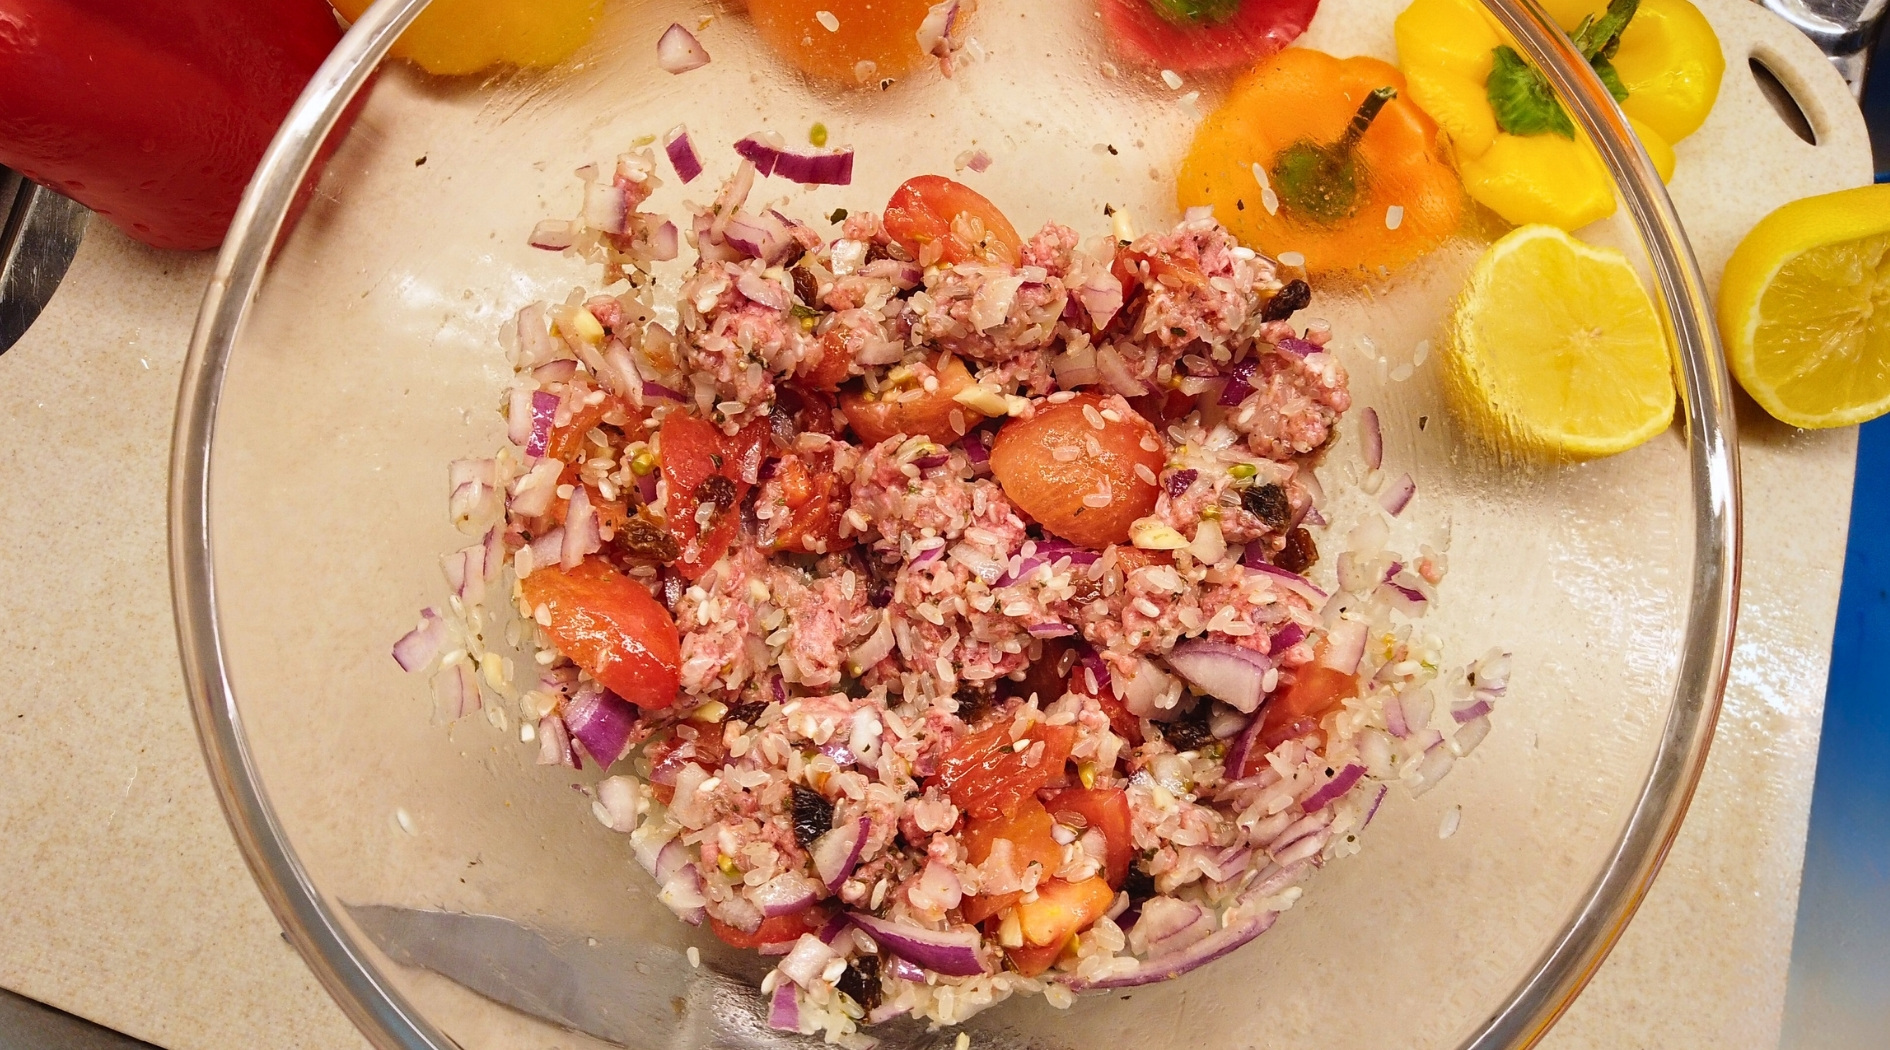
457	37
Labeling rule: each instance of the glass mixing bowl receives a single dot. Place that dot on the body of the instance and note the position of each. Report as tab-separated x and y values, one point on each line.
336	370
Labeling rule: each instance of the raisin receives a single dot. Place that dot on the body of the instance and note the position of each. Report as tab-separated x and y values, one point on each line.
813	815
1140	885
880	596
1296	296
804	287
718	490
1299	553
861	982
749	712
1190	734
641	538
877	251
1268	503
973	704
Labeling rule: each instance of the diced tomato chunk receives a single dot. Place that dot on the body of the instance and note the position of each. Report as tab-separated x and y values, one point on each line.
693	452
1106	810
812	501
989	775
1063	909
780	929
1032	959
668	755
1076	478
608	624
1029	830
1297	708
910	409
1255	28
923	209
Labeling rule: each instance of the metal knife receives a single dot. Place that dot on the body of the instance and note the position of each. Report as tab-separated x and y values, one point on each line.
39	233
631	994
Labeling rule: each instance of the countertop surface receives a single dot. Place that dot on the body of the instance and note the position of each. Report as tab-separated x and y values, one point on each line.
127	902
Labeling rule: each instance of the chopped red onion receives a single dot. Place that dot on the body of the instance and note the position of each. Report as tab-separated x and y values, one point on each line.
1179	481
1098	668
1101	296
555	371
809	169
1372	438
1313	517
544	409
1394	719
1372	810
1338	785
646	491
1228	673
665	242
1239	383
1236	758
549	548
952	953
926	557
678	50
1227	863
935	31
1312	821
877	645
553	235
418	647
784	1010
1398	495
1345	646
1300	347
457	689
1287	637
1116	374
785	894
603	722
1050	630
1300	585
533	492
655	390
902	968
1226	723
682	154
581	531
554	744
763	237
837	852
606	208
1208	949
979	162
616	804
1164	919
932	461
1470	712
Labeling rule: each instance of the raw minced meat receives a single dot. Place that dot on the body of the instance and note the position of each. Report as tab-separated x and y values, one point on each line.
901	699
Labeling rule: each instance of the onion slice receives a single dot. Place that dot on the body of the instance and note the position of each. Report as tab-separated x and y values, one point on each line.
952	953
826	168
784	1010
603	722
678	50
1332	789
1372	440
838	851
682	154
785	894
1398	495
1228	673
418	647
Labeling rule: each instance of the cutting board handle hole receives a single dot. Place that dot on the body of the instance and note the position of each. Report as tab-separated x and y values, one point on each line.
1782	100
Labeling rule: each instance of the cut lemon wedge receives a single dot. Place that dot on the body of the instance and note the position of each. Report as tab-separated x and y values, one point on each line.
1804	309
1555	349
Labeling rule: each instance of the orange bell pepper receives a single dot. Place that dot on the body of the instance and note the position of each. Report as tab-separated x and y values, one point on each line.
456	37
1325	157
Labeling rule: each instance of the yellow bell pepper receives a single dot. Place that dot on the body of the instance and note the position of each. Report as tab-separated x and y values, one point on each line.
456	37
1667	60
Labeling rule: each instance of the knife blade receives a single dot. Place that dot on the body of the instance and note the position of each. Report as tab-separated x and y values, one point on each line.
39	235
620	992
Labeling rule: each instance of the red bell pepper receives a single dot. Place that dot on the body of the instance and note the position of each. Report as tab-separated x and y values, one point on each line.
154	115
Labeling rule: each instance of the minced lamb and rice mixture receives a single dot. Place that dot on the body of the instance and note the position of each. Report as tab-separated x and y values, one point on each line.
920	745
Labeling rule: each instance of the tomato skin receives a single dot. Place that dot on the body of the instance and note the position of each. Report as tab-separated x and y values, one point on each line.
929	414
987	777
608	624
1052	491
1063	909
1257	29
835	364
780	929
692	452
1107	810
1029	830
1296	709
922	210
709	752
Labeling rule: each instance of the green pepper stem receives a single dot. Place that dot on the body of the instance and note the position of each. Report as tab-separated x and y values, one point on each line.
1368	111
1321	180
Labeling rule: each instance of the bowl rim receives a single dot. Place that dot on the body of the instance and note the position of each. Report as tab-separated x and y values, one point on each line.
1526	1013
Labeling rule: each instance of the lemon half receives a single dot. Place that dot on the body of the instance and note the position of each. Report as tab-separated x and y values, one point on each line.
1556	349
1804	309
